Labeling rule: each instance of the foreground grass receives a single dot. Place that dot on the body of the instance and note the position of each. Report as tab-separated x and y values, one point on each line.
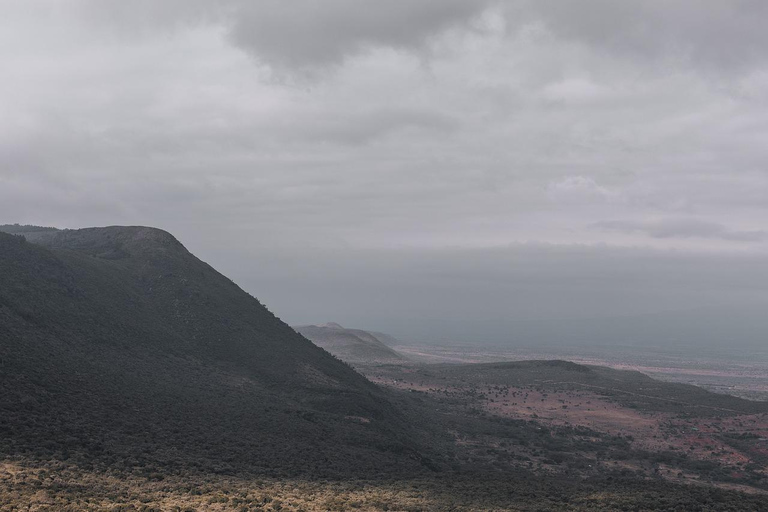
58	487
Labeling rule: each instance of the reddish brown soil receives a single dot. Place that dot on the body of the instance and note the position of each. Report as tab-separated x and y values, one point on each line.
701	438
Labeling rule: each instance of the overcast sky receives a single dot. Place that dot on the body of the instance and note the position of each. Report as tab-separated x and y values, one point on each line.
361	160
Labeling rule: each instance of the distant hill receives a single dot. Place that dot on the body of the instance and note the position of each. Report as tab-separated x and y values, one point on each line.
386	339
629	387
119	347
354	346
25	229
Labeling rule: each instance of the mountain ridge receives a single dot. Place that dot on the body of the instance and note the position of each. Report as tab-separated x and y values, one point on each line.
354	346
118	337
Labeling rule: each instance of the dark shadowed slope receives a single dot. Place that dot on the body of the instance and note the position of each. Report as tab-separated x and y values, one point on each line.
352	345
119	346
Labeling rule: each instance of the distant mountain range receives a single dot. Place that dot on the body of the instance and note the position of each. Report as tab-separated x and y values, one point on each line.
118	346
354	346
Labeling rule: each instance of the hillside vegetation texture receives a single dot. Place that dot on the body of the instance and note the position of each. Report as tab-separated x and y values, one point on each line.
118	347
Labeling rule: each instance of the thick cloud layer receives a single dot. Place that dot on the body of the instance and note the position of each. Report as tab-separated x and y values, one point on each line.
707	34
276	129
311	33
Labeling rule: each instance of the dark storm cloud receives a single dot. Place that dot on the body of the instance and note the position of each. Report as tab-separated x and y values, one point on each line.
311	33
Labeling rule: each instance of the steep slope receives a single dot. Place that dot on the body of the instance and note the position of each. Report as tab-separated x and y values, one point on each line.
354	346
119	346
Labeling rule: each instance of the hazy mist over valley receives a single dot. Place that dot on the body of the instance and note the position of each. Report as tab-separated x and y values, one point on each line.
529	295
303	255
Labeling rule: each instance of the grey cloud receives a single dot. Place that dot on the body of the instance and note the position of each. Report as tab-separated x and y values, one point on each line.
682	228
139	17
308	34
581	189
298	35
710	34
362	128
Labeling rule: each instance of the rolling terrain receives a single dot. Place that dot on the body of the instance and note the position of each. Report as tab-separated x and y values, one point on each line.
596	420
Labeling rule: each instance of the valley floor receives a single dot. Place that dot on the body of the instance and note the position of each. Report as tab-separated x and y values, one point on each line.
589	430
741	374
